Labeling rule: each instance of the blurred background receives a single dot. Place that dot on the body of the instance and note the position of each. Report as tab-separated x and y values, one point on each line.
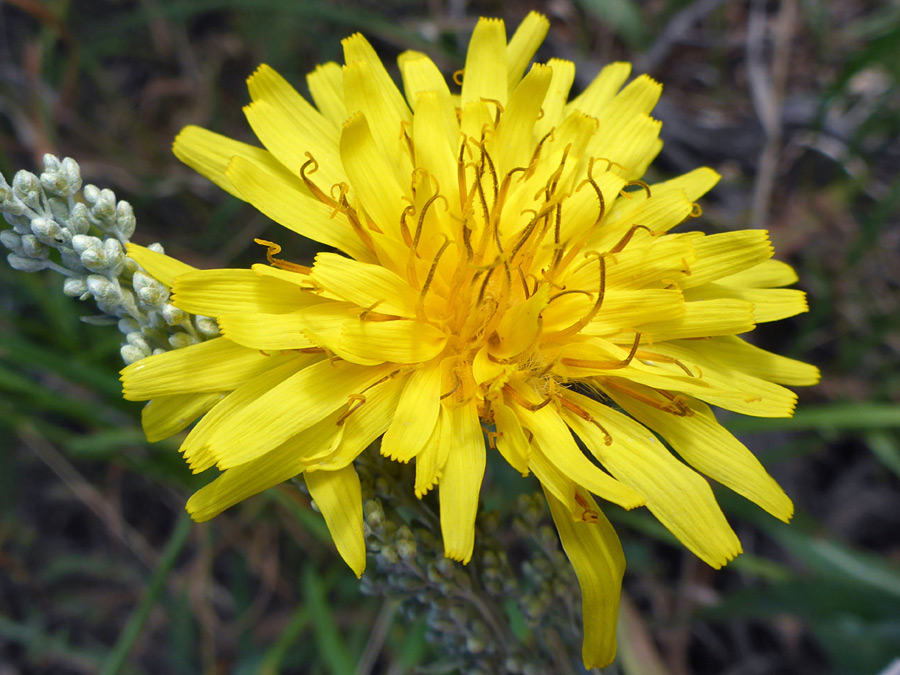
796	103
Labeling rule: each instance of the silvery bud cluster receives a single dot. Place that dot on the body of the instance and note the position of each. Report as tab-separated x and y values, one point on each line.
81	233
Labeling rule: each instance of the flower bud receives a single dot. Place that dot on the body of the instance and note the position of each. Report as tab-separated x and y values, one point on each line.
83	242
22	264
75	287
207	326
135	339
27	187
128	325
33	248
179	340
72	172
79	223
11	240
104	208
104	290
5	189
172	315
115	255
47	230
95	260
125	220
12	207
130	354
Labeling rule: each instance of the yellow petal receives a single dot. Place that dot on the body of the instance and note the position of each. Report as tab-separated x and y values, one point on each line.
267	332
659	262
630	143
416	416
695	183
209	154
362	94
769	304
555	102
658	214
326	85
555	441
554	481
161	267
339	497
511	441
723	254
167	415
324	323
277	466
679	498
622	310
431	458
520	326
736	354
271	419
212	366
523	44
290	127
237	291
367	285
273	468
372	176
486	71
768	274
435	135
357	48
594	550
196	449
516	129
421	75
601	91
730	386
283	200
712	450
461	483
369	419
704	318
399	341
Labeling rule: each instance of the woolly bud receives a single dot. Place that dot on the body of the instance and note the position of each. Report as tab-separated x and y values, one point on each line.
79	222
148	290
48	231
104	290
207	326
179	340
27	187
11	240
17	262
5	189
128	325
172	315
83	242
130	354
135	339
125	220
75	287
33	248
104	207
95	260
13	207
115	255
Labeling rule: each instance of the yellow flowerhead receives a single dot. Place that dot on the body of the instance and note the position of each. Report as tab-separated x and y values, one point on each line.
506	283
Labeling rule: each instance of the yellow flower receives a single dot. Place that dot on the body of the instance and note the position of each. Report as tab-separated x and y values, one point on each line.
505	280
